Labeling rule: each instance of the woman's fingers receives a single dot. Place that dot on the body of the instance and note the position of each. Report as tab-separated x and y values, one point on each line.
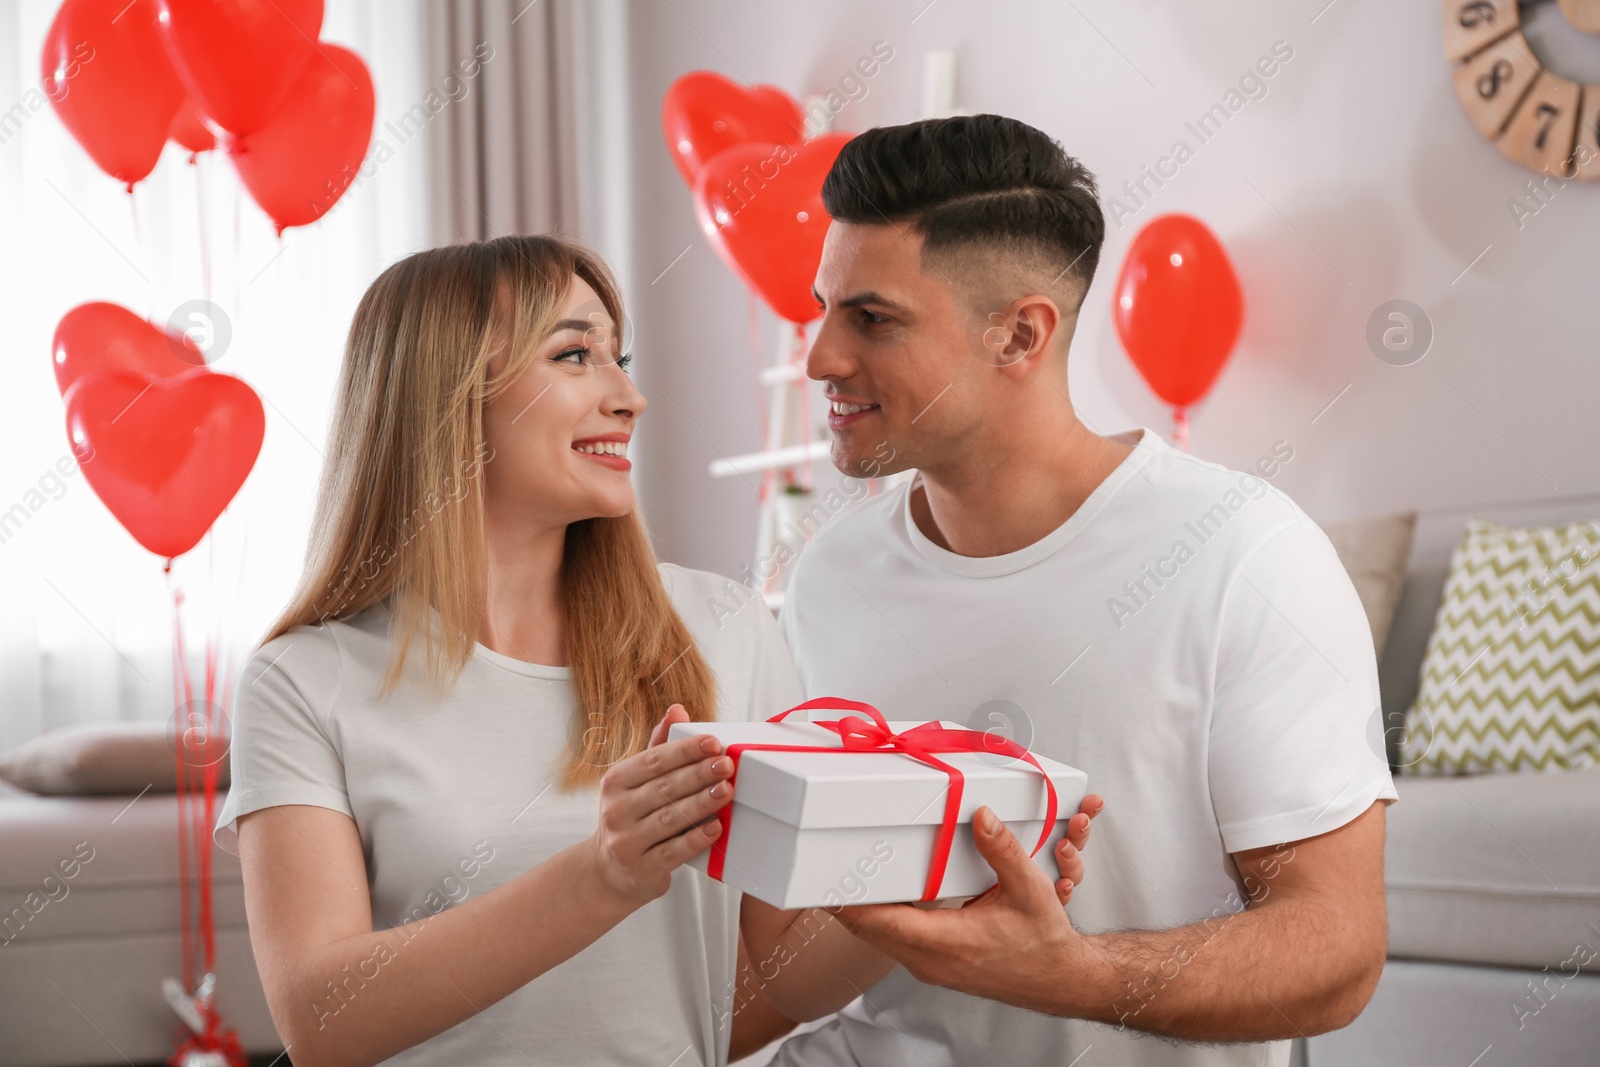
674	787
657	760
673	817
681	848
676	713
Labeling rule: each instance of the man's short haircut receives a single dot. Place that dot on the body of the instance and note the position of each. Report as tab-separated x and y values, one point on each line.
974	184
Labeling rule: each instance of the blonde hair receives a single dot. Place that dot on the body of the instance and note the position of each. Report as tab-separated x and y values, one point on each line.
399	509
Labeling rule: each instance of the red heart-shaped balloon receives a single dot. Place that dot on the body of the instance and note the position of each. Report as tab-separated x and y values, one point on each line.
189	129
101	335
239	58
109	79
166	455
302	161
760	206
704	113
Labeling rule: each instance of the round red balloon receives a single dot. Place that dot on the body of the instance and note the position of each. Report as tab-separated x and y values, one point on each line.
760	206
102	335
1178	307
240	58
166	455
298	165
704	113
110	81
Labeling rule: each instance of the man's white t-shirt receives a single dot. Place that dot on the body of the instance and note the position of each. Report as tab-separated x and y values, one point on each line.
1188	638
455	796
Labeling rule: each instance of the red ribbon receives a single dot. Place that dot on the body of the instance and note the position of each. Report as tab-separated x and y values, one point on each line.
920	743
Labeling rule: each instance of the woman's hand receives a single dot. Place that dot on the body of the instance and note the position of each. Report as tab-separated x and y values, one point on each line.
653	810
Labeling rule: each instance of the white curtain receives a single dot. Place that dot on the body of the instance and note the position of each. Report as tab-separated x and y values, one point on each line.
84	611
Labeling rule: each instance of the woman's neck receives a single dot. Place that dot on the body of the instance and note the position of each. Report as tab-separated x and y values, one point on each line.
522	604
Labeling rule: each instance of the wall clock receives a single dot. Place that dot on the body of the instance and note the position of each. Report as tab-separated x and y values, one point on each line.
1536	117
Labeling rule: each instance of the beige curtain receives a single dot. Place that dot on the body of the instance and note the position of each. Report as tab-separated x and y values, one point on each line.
503	156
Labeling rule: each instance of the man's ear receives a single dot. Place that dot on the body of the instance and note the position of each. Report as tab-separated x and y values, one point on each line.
1034	324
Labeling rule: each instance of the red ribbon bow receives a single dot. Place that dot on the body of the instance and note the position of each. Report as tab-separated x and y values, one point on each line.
920	743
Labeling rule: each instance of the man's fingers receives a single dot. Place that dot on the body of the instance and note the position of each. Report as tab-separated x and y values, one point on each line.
676	713
1070	862
877	924
999	846
641	767
1078	825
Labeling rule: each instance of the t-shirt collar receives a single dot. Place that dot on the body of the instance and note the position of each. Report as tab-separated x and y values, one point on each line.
1145	442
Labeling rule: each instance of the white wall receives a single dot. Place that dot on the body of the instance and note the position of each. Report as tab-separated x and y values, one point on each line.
1355	180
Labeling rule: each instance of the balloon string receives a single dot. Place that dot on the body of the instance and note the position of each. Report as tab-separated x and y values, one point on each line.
138	248
238	254
797	358
1180	428
180	688
200	208
754	324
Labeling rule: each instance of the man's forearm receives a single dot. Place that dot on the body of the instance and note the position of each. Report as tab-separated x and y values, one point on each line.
1277	970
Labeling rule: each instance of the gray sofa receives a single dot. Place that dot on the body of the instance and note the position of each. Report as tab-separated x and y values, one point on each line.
1494	882
81	967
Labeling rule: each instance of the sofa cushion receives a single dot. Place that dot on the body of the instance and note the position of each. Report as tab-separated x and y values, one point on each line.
1375	553
1511	678
105	758
1496	869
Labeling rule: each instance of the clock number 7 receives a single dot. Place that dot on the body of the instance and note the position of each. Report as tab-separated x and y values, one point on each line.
1548	112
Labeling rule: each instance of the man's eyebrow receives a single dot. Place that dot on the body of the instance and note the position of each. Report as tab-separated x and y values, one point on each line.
861	299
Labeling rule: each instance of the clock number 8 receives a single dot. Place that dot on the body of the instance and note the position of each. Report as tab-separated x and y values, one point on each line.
1489	83
1475	13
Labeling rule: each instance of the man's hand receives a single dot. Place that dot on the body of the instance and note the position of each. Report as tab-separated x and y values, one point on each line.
1018	928
1069	851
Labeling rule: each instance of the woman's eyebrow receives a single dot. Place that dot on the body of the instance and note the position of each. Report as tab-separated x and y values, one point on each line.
577	324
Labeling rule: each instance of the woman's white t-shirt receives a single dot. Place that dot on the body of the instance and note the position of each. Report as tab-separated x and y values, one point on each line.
454	796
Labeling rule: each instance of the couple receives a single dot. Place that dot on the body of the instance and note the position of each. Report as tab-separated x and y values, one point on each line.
463	832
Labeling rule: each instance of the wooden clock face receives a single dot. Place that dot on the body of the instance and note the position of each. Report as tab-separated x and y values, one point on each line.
1534	116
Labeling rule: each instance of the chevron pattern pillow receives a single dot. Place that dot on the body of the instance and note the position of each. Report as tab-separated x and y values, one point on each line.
1511	677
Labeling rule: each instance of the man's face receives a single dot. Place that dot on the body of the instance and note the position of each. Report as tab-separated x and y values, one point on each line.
894	340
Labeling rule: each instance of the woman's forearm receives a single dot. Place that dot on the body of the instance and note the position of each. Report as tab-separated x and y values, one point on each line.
361	999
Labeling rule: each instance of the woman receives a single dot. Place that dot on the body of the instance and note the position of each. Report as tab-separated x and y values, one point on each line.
459	822
414	787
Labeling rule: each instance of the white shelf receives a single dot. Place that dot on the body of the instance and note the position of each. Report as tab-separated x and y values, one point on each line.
774	459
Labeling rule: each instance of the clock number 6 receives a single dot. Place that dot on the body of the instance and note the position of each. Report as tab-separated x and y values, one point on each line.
1476	13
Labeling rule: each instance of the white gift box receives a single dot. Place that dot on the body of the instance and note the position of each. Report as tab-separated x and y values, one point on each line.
822	829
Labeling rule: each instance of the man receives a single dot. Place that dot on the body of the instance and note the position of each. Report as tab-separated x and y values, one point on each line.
1181	632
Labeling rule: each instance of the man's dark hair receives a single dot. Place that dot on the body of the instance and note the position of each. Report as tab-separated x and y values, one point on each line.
973	182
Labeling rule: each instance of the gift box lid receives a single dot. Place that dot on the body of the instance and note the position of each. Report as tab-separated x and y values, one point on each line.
815	790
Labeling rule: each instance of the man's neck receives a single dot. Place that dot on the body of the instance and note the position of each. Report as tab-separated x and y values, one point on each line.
1004	502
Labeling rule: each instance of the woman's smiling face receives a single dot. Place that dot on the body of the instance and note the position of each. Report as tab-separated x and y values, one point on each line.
558	436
